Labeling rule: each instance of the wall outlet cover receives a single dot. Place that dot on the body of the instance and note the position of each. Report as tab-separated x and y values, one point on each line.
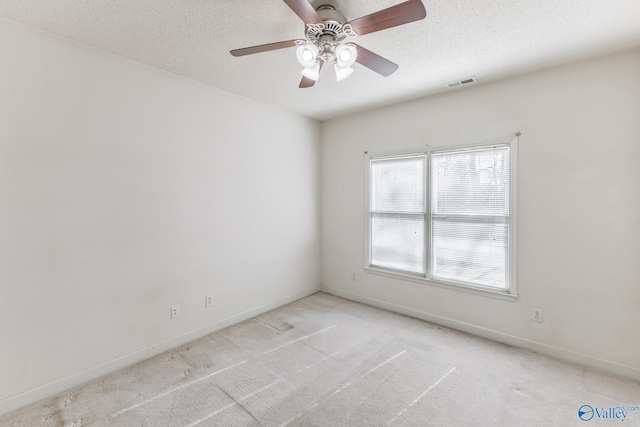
536	314
175	311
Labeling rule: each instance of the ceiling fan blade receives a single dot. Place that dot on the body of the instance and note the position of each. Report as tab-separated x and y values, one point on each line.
305	11
307	82
403	13
263	48
375	62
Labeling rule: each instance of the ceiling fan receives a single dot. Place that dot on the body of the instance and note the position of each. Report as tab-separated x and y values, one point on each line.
326	30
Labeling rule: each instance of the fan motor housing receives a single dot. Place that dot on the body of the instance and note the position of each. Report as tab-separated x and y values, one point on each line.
333	23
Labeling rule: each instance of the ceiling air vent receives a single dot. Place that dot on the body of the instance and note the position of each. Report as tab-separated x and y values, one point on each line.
462	82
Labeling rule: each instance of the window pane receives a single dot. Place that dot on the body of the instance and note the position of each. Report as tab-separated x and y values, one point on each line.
397	242
398	184
471	182
474	252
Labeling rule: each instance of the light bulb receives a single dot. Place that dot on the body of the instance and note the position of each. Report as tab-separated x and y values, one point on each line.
346	55
307	54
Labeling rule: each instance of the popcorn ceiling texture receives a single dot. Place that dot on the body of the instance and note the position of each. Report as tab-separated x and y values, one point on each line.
326	361
458	39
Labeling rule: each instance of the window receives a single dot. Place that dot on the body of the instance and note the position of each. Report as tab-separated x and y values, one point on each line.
445	216
398	212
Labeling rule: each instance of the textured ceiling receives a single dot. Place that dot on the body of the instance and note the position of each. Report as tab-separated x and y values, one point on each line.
487	39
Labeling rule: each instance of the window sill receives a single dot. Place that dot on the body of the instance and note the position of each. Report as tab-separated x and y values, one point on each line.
503	295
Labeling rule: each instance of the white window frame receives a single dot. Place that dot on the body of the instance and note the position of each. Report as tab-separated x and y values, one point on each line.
510	293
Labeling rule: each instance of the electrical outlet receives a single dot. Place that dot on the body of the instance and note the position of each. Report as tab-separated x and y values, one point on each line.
208	301
175	311
536	314
353	276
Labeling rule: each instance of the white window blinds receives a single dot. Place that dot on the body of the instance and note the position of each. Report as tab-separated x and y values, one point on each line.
398	213
444	215
470	216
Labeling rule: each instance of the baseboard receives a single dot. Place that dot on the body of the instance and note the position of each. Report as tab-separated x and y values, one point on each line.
34	395
538	347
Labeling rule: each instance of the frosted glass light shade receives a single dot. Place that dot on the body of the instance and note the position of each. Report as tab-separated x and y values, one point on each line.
342	73
312	72
346	55
307	54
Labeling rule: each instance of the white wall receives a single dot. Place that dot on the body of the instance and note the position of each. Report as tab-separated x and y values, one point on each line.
125	190
578	208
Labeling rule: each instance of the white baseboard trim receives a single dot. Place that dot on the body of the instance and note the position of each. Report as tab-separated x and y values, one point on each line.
18	401
538	347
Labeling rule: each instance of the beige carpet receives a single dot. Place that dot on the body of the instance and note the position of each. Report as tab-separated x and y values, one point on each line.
325	361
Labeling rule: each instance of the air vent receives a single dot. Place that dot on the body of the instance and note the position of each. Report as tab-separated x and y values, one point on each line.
462	82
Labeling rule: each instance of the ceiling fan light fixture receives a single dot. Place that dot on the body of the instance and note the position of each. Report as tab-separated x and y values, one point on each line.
307	54
346	55
342	72
312	72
